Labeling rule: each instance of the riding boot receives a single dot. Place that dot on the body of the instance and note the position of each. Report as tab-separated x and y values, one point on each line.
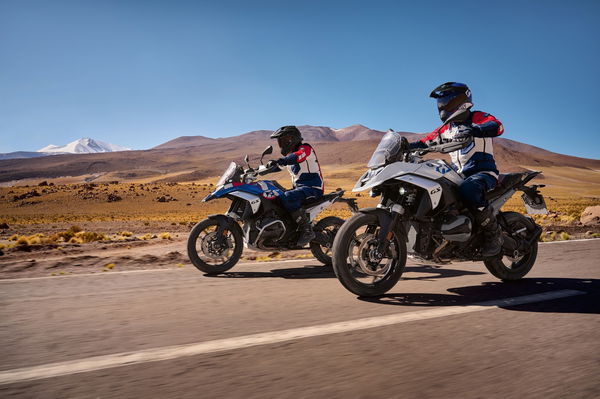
304	227
492	234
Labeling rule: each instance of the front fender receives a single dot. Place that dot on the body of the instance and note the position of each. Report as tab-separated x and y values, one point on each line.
226	222
384	217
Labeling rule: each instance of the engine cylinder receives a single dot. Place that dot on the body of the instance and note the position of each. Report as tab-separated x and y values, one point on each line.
457	228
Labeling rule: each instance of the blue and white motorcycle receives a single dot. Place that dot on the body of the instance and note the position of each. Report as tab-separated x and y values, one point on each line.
257	220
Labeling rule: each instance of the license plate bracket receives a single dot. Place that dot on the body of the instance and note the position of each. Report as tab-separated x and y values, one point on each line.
534	203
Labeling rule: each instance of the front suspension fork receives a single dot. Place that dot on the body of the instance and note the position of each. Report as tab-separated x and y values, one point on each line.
386	232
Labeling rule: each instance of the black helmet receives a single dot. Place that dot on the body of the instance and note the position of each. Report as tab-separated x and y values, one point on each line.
288	138
452	97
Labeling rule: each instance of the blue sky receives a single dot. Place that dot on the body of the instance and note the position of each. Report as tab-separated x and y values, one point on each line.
139	73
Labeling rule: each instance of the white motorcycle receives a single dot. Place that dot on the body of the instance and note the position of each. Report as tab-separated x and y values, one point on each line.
420	213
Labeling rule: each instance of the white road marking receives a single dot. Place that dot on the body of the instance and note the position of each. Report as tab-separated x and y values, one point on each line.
228	344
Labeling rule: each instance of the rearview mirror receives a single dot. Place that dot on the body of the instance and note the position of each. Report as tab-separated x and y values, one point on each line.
268	150
247	160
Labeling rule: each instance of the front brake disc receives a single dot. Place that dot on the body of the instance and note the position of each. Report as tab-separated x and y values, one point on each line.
367	262
209	246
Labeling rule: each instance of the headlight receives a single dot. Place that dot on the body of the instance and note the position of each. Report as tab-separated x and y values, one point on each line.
402	191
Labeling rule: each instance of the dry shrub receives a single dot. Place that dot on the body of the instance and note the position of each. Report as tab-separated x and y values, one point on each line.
548	236
165	236
63	236
90	236
36	239
75	240
563	236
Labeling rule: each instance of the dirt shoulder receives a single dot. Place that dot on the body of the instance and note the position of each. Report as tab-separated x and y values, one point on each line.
149	246
111	256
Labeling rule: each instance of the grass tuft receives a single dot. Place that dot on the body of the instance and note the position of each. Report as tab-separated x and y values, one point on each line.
165	236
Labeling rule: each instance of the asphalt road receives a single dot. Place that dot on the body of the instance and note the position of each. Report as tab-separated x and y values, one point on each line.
290	330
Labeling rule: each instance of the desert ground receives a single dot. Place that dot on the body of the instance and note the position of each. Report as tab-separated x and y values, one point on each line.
57	227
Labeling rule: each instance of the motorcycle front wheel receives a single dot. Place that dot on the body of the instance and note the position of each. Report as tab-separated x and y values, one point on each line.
209	253
356	263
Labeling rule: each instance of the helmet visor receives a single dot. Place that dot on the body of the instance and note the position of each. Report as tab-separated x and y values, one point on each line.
442	102
285	141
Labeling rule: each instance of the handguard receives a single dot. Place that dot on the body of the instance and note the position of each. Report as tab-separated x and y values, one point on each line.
448	146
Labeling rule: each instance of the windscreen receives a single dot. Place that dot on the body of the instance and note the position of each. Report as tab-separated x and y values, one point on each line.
387	148
229	172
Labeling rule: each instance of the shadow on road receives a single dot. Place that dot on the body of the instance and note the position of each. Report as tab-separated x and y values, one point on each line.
319	271
434	272
490	291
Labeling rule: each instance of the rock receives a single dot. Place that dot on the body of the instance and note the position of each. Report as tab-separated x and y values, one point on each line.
162	199
590	215
4	226
113	198
44	183
30	194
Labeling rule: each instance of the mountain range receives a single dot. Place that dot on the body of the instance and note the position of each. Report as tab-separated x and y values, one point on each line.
81	146
193	158
84	146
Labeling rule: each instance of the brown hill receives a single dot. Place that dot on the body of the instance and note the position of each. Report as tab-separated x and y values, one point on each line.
186	141
191	158
313	134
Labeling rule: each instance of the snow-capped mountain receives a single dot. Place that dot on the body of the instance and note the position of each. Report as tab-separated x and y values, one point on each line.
83	146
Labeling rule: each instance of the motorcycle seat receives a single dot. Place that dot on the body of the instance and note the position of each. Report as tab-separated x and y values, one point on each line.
310	202
510	179
505	181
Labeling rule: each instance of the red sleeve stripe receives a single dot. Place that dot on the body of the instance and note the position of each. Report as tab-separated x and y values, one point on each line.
433	135
481	117
303	152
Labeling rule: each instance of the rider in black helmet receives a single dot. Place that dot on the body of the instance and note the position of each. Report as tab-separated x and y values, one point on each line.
301	161
475	161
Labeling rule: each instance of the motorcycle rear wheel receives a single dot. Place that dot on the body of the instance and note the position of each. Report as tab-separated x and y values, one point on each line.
354	263
508	268
329	226
204	252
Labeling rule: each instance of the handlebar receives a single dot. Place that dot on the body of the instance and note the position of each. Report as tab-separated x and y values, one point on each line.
252	173
263	170
444	148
